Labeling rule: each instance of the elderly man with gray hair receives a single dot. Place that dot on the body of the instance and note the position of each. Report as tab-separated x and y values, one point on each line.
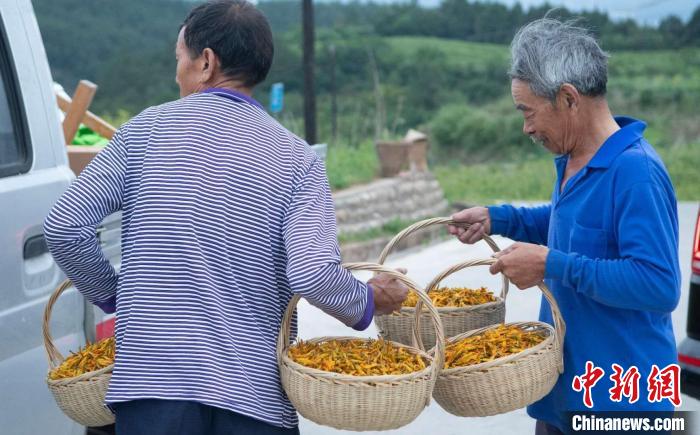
606	244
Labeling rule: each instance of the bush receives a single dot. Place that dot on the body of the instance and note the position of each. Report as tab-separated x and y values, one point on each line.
487	183
346	165
466	133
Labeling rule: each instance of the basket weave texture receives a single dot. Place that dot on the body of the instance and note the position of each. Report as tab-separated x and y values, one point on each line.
508	383
359	403
81	397
455	320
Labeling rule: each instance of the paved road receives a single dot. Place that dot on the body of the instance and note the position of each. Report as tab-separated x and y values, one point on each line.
424	264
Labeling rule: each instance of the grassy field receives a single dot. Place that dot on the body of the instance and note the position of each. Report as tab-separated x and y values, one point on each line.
533	179
660	87
530	179
458	52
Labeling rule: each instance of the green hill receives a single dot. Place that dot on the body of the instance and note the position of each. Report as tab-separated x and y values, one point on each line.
663	71
660	86
474	140
459	53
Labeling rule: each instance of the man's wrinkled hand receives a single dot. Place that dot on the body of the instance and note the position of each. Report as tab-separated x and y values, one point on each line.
523	264
479	223
389	293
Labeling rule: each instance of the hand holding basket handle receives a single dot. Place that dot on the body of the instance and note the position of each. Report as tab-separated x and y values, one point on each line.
450	222
389	293
523	263
471	224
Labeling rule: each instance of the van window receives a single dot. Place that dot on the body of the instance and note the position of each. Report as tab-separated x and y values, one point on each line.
15	152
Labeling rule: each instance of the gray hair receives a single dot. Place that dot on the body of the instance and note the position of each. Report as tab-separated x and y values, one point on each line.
547	53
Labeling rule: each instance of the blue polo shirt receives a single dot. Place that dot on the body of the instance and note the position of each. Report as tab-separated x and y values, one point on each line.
612	268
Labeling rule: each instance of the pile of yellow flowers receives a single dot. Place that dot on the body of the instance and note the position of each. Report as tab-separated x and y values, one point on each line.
490	345
92	357
357	357
454	297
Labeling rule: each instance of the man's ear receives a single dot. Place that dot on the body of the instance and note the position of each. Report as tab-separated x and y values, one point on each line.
568	97
210	64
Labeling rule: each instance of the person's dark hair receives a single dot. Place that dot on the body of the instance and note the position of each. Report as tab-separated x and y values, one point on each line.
237	32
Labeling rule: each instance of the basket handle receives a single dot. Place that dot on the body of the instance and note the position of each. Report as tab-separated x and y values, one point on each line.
432	285
52	353
437	221
559	324
283	340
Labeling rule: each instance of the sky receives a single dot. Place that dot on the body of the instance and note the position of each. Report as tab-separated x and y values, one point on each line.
643	11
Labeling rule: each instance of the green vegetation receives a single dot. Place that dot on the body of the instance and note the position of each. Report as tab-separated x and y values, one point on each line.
473	134
458	53
347	165
527	179
398	66
533	179
682	162
422	59
488	183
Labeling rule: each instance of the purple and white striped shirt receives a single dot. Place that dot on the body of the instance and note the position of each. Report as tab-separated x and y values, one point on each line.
225	214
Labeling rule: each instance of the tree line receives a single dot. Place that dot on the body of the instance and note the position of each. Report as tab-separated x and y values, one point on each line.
127	48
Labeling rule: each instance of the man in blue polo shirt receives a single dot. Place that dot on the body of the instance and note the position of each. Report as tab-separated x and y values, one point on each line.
606	245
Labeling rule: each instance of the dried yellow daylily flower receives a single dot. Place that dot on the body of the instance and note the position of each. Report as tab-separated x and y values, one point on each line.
492	344
92	357
357	357
454	297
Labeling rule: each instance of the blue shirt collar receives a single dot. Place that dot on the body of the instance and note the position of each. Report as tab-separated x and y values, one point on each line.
233	95
631	130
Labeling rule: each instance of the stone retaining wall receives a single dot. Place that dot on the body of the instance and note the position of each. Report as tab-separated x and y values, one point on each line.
408	197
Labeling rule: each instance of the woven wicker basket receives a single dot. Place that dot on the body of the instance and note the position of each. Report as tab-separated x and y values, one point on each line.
82	397
358	403
507	383
455	320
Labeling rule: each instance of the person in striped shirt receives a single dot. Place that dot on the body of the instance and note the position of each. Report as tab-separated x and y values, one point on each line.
225	214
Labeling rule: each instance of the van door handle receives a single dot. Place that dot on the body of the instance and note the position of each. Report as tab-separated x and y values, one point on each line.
35	246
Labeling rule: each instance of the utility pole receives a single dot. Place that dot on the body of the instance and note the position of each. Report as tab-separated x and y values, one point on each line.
309	94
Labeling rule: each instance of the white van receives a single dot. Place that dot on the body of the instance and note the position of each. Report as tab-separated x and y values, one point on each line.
33	173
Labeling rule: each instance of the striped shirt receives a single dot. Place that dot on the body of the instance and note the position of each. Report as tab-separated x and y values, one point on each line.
225	214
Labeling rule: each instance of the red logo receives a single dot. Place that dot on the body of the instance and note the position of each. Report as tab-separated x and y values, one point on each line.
588	381
665	384
661	383
626	385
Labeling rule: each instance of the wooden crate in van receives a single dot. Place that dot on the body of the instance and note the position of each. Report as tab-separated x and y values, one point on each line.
76	110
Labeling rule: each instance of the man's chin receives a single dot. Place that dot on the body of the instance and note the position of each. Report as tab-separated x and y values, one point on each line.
549	148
